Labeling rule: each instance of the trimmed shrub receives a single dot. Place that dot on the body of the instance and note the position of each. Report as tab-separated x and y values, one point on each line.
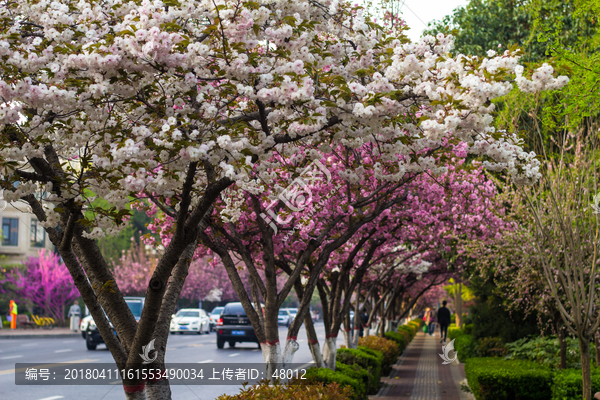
327	376
454	332
497	379
465	347
364	359
355	371
399	338
406	332
278	391
491	347
388	348
468	329
568	383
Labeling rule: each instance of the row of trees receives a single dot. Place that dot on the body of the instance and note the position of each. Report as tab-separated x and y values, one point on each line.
301	143
546	266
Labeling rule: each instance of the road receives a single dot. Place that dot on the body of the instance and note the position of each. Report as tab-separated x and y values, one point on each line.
188	348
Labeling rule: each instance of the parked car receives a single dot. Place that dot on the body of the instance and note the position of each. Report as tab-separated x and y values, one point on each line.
294	312
83	325
233	326
190	320
92	335
284	317
214	315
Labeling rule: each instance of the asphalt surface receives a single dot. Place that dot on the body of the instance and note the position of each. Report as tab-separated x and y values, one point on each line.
187	348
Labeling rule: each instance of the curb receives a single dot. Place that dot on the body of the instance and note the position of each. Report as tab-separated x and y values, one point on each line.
41	336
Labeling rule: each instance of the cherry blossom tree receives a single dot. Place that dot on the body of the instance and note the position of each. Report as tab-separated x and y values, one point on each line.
46	283
135	268
181	102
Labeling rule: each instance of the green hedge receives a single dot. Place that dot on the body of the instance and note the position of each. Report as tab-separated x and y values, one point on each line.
365	359
568	384
327	376
266	390
399	338
497	379
358	373
409	330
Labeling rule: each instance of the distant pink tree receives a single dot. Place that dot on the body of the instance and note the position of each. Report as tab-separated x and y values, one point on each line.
133	270
46	283
205	280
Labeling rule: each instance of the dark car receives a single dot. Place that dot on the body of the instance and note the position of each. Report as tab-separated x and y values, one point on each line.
234	326
93	337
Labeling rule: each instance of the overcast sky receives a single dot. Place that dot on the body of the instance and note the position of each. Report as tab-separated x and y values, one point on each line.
418	13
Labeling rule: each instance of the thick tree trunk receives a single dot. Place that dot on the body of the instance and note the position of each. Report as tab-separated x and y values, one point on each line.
347	337
562	343
272	355
315	350
330	352
367	330
291	347
158	392
586	373
135	392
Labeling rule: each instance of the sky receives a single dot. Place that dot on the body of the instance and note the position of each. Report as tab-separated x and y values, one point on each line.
418	13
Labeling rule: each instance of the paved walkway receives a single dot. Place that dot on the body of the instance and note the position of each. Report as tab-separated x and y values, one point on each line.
420	374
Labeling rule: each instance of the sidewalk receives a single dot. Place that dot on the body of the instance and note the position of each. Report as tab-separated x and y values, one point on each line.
420	374
38	333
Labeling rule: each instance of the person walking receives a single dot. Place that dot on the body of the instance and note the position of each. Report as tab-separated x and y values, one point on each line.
431	327
444	320
74	313
427	318
13	314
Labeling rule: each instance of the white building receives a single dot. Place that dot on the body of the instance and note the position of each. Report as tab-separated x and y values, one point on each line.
22	234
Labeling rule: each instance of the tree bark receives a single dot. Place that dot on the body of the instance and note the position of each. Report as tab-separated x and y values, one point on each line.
586	372
330	352
135	392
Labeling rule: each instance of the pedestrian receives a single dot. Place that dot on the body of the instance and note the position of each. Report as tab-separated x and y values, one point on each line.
427	319
444	320
74	313
431	322
12	306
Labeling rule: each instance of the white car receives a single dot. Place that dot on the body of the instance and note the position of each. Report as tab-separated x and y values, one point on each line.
190	320
284	317
293	312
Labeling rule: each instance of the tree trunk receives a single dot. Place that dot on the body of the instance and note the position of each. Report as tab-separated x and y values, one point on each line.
458	305
272	355
135	392
586	373
315	350
347	337
330	352
562	343
158	392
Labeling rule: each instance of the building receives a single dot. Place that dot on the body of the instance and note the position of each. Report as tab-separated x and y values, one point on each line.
22	234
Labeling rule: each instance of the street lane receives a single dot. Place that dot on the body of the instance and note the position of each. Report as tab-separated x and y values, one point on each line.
187	348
